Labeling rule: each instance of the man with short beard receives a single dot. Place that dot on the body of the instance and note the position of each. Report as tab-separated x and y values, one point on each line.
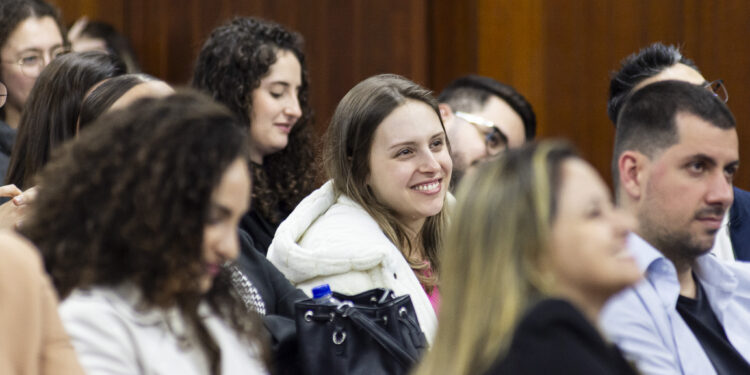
676	154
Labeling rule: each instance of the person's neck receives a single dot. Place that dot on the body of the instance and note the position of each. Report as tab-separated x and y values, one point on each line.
685	277
412	229
683	266
12	117
256	157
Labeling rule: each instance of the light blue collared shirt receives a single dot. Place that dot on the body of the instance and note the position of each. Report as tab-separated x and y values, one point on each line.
643	320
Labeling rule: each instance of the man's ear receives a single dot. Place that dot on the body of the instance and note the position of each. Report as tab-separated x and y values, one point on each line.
446	113
632	172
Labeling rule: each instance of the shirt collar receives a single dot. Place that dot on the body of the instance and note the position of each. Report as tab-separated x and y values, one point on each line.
717	279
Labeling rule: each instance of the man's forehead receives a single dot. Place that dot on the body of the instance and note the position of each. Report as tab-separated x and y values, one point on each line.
696	136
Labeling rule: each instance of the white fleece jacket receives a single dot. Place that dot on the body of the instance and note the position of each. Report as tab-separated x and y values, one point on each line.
333	240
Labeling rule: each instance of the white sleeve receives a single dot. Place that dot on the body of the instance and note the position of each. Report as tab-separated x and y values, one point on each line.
100	337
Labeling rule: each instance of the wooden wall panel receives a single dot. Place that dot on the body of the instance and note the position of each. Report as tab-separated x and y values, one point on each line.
346	41
559	54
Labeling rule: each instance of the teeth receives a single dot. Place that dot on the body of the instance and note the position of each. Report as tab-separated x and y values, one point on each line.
427	187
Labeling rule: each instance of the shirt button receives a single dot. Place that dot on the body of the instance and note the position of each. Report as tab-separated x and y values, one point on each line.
395	276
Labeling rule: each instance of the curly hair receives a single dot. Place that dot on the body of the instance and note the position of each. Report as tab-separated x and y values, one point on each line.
52	110
230	66
134	191
13	12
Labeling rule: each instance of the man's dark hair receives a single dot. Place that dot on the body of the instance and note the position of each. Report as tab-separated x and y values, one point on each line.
647	122
470	93
644	64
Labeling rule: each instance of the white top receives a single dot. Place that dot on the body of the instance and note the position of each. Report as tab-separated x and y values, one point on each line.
331	239
723	243
112	336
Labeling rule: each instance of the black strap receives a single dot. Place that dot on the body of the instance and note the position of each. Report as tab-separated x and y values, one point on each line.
380	335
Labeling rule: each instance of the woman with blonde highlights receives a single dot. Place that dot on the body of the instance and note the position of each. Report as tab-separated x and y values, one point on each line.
378	222
534	250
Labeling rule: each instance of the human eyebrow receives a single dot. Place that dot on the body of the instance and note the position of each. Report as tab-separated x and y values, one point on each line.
702	158
218	211
31	49
401	144
733	166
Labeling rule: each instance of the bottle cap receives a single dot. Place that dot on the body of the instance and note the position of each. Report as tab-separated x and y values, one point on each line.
321	291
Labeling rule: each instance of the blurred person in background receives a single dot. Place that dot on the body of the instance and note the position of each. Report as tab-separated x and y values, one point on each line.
49	121
483	117
86	35
152	199
535	249
31	35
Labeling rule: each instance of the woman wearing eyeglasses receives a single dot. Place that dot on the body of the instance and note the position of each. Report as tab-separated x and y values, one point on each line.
30	37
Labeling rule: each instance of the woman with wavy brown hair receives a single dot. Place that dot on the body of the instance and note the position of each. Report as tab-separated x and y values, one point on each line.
151	200
257	69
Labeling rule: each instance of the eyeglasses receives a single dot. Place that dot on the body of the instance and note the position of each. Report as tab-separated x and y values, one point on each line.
495	140
32	62
3	94
718	89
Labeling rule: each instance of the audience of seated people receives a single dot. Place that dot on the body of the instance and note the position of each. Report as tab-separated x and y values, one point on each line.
151	231
659	62
53	108
676	152
142	292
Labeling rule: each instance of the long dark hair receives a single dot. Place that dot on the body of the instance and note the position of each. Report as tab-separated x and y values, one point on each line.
13	12
134	191
52	110
101	98
231	64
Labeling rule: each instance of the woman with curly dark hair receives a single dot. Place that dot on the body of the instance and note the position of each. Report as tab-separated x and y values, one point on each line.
151	203
257	69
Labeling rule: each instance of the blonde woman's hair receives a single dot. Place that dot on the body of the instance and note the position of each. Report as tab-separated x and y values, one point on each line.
347	154
492	257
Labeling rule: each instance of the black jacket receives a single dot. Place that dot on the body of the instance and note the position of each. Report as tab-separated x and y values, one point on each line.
277	292
555	338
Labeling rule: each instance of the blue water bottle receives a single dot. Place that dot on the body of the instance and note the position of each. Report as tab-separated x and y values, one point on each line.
322	295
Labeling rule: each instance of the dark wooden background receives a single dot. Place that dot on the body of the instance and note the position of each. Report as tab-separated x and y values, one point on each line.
558	53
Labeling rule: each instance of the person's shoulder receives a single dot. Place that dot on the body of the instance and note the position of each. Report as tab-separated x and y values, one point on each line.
18	257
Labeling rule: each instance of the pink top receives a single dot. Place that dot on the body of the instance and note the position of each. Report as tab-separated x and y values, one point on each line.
435	295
